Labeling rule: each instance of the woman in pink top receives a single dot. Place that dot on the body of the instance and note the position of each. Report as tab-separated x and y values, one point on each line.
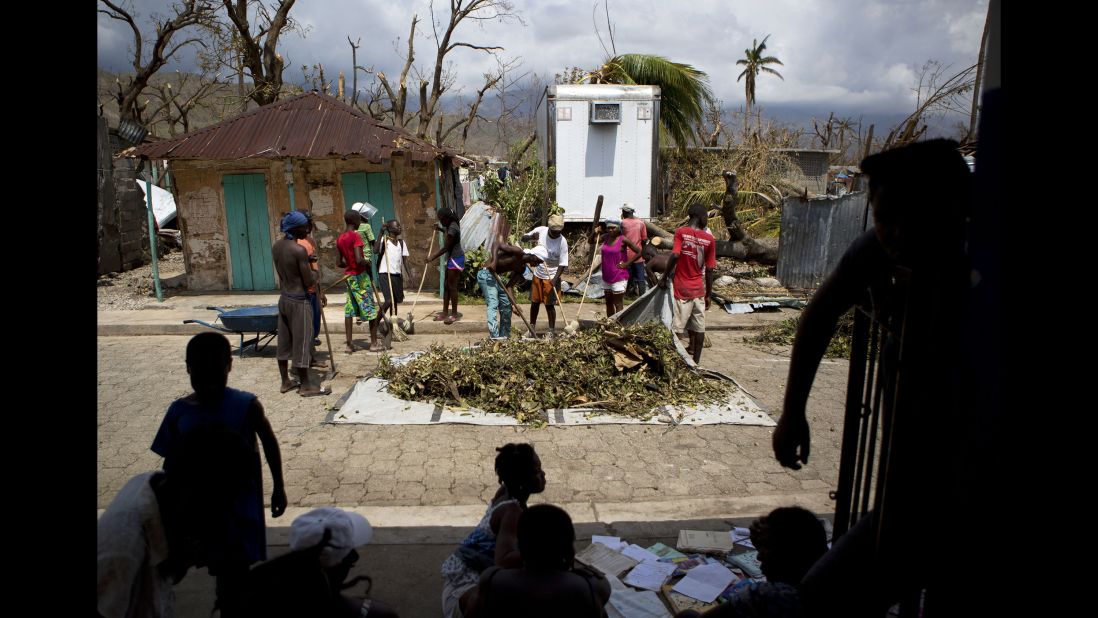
615	264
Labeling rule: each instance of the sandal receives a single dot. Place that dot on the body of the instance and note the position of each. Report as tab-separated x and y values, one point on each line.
292	386
324	391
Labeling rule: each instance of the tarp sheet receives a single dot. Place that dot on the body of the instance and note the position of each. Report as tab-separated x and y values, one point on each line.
476	226
163	203
370	402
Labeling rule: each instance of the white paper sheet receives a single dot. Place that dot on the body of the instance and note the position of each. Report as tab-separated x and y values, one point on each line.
613	542
739	534
640	554
628	603
650	575
705	582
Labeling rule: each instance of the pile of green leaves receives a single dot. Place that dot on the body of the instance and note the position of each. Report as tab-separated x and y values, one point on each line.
523	378
783	333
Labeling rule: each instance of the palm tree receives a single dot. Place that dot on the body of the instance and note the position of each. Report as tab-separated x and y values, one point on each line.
683	88
755	62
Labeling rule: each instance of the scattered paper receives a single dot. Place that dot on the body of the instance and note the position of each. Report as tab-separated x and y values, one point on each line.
663	551
626	602
748	544
640	554
704	540
650	575
606	560
705	582
739	534
613	542
748	561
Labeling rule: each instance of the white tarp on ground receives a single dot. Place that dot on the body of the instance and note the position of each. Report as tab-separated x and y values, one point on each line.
371	403
163	203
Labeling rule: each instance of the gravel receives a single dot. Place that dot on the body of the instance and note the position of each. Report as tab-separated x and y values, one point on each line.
133	289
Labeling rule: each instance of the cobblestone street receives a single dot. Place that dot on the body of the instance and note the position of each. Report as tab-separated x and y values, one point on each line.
360	465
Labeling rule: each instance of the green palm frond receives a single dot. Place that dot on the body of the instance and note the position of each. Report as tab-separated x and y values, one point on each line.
683	89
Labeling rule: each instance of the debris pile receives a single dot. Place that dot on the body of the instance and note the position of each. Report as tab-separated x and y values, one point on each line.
622	369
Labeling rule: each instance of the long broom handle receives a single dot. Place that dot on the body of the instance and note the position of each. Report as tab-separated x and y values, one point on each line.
423	277
389	268
513	303
590	269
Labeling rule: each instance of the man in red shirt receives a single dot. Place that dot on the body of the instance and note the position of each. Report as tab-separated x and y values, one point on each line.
694	253
635	230
360	291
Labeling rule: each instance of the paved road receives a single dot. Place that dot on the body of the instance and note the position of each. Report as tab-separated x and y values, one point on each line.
364	465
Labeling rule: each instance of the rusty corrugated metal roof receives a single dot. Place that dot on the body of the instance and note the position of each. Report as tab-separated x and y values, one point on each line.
310	125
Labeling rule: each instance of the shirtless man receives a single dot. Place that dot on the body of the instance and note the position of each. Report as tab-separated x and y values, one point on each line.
506	258
655	262
295	313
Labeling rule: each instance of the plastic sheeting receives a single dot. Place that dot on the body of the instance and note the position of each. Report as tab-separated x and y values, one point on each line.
476	226
163	203
369	402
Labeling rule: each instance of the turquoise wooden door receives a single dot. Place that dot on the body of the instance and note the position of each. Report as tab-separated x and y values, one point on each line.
375	188
249	231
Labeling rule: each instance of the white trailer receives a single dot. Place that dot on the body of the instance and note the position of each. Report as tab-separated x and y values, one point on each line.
603	140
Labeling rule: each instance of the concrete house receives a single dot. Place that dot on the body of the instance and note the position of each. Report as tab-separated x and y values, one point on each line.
234	180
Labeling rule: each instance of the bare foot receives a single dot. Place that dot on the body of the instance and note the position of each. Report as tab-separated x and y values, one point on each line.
350	348
289	386
376	347
318	365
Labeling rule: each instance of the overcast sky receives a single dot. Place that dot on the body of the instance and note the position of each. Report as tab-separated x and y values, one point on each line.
854	56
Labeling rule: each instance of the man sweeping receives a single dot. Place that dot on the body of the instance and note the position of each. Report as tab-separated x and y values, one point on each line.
545	286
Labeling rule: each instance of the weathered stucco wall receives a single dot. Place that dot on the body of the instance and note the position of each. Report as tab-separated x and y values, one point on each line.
318	189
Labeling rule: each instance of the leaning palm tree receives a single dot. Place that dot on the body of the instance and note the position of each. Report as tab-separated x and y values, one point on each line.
683	88
755	62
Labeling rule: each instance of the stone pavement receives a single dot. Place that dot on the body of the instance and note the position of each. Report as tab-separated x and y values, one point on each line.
425	486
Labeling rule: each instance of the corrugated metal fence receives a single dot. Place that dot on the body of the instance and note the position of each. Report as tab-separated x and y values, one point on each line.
815	234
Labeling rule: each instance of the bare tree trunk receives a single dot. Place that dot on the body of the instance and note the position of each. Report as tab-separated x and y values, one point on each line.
979	76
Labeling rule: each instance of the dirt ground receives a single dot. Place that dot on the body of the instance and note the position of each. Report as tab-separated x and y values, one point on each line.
133	289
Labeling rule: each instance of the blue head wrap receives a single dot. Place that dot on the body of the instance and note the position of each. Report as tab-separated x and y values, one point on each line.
612	221
292	219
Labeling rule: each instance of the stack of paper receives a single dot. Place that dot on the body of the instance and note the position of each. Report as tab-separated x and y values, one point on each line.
749	562
664	551
704	541
640	554
605	560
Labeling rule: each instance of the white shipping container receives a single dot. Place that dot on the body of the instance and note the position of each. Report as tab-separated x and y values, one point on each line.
603	140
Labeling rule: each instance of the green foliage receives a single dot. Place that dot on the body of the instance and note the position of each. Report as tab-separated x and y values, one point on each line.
521	199
683	89
520	378
474	261
783	333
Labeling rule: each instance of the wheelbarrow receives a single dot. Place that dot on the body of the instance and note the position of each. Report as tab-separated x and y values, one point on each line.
263	321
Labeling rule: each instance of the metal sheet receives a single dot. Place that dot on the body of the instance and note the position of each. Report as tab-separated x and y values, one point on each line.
311	125
476	226
815	234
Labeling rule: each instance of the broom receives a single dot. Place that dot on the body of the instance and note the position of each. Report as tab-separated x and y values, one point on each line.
411	330
397	332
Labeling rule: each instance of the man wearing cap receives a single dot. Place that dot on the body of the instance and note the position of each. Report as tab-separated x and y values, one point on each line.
545	286
295	312
635	230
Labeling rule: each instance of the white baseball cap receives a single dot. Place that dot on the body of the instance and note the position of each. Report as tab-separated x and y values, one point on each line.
349	530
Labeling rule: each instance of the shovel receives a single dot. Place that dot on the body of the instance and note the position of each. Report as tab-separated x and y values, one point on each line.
411	329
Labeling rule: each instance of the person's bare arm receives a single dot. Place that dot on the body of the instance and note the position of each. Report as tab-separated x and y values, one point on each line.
672	261
710	275
304	266
632	247
273	456
451	240
360	259
817	325
507	551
